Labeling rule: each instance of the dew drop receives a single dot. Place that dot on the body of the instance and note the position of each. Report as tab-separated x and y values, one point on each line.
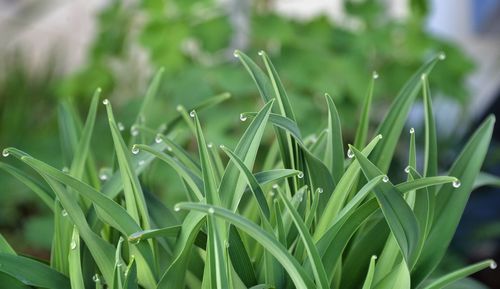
177	208
192	113
319	190
442	56
105	101
5	153
135	149
64	213
96	278
134	131
412	130
407	169
350	153
300	175
222	147
72	245
121	127
211	211
158	138
141	162
179	108
493	265
103	176
260	52
423	76
210	145
379	136
385	179
243	117
375	75
456	183
236	53
169	148
275	186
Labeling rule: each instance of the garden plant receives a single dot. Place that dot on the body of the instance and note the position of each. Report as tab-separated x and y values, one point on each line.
301	212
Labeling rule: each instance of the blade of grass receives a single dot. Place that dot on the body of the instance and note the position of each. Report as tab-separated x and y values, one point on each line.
362	130
294	269
339	195
454	276
394	121
431	153
233	182
314	257
369	274
75	268
398	214
450	201
334	154
31	272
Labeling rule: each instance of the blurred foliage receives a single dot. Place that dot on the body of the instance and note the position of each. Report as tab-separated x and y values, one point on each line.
191	40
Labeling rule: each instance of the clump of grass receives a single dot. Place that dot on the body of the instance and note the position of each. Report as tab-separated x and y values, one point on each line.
311	218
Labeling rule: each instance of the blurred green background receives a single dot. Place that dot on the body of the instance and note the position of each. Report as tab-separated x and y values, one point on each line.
194	42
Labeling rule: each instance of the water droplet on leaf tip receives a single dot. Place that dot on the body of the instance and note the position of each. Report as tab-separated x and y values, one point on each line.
236	53
275	186
158	138
380	136
105	101
177	208
5	153
179	108
121	127
423	76
135	149
210	145
243	117
300	175
222	146
375	75
211	211
192	113
456	183
103	177
493	265
72	245
96	278
412	130
385	179
407	169
260	52
442	56
320	190
64	213
350	153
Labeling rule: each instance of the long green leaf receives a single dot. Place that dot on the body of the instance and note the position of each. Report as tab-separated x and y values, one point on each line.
451	201
449	278
294	269
31	272
398	214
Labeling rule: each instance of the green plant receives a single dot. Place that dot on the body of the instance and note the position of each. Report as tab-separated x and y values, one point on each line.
310	218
